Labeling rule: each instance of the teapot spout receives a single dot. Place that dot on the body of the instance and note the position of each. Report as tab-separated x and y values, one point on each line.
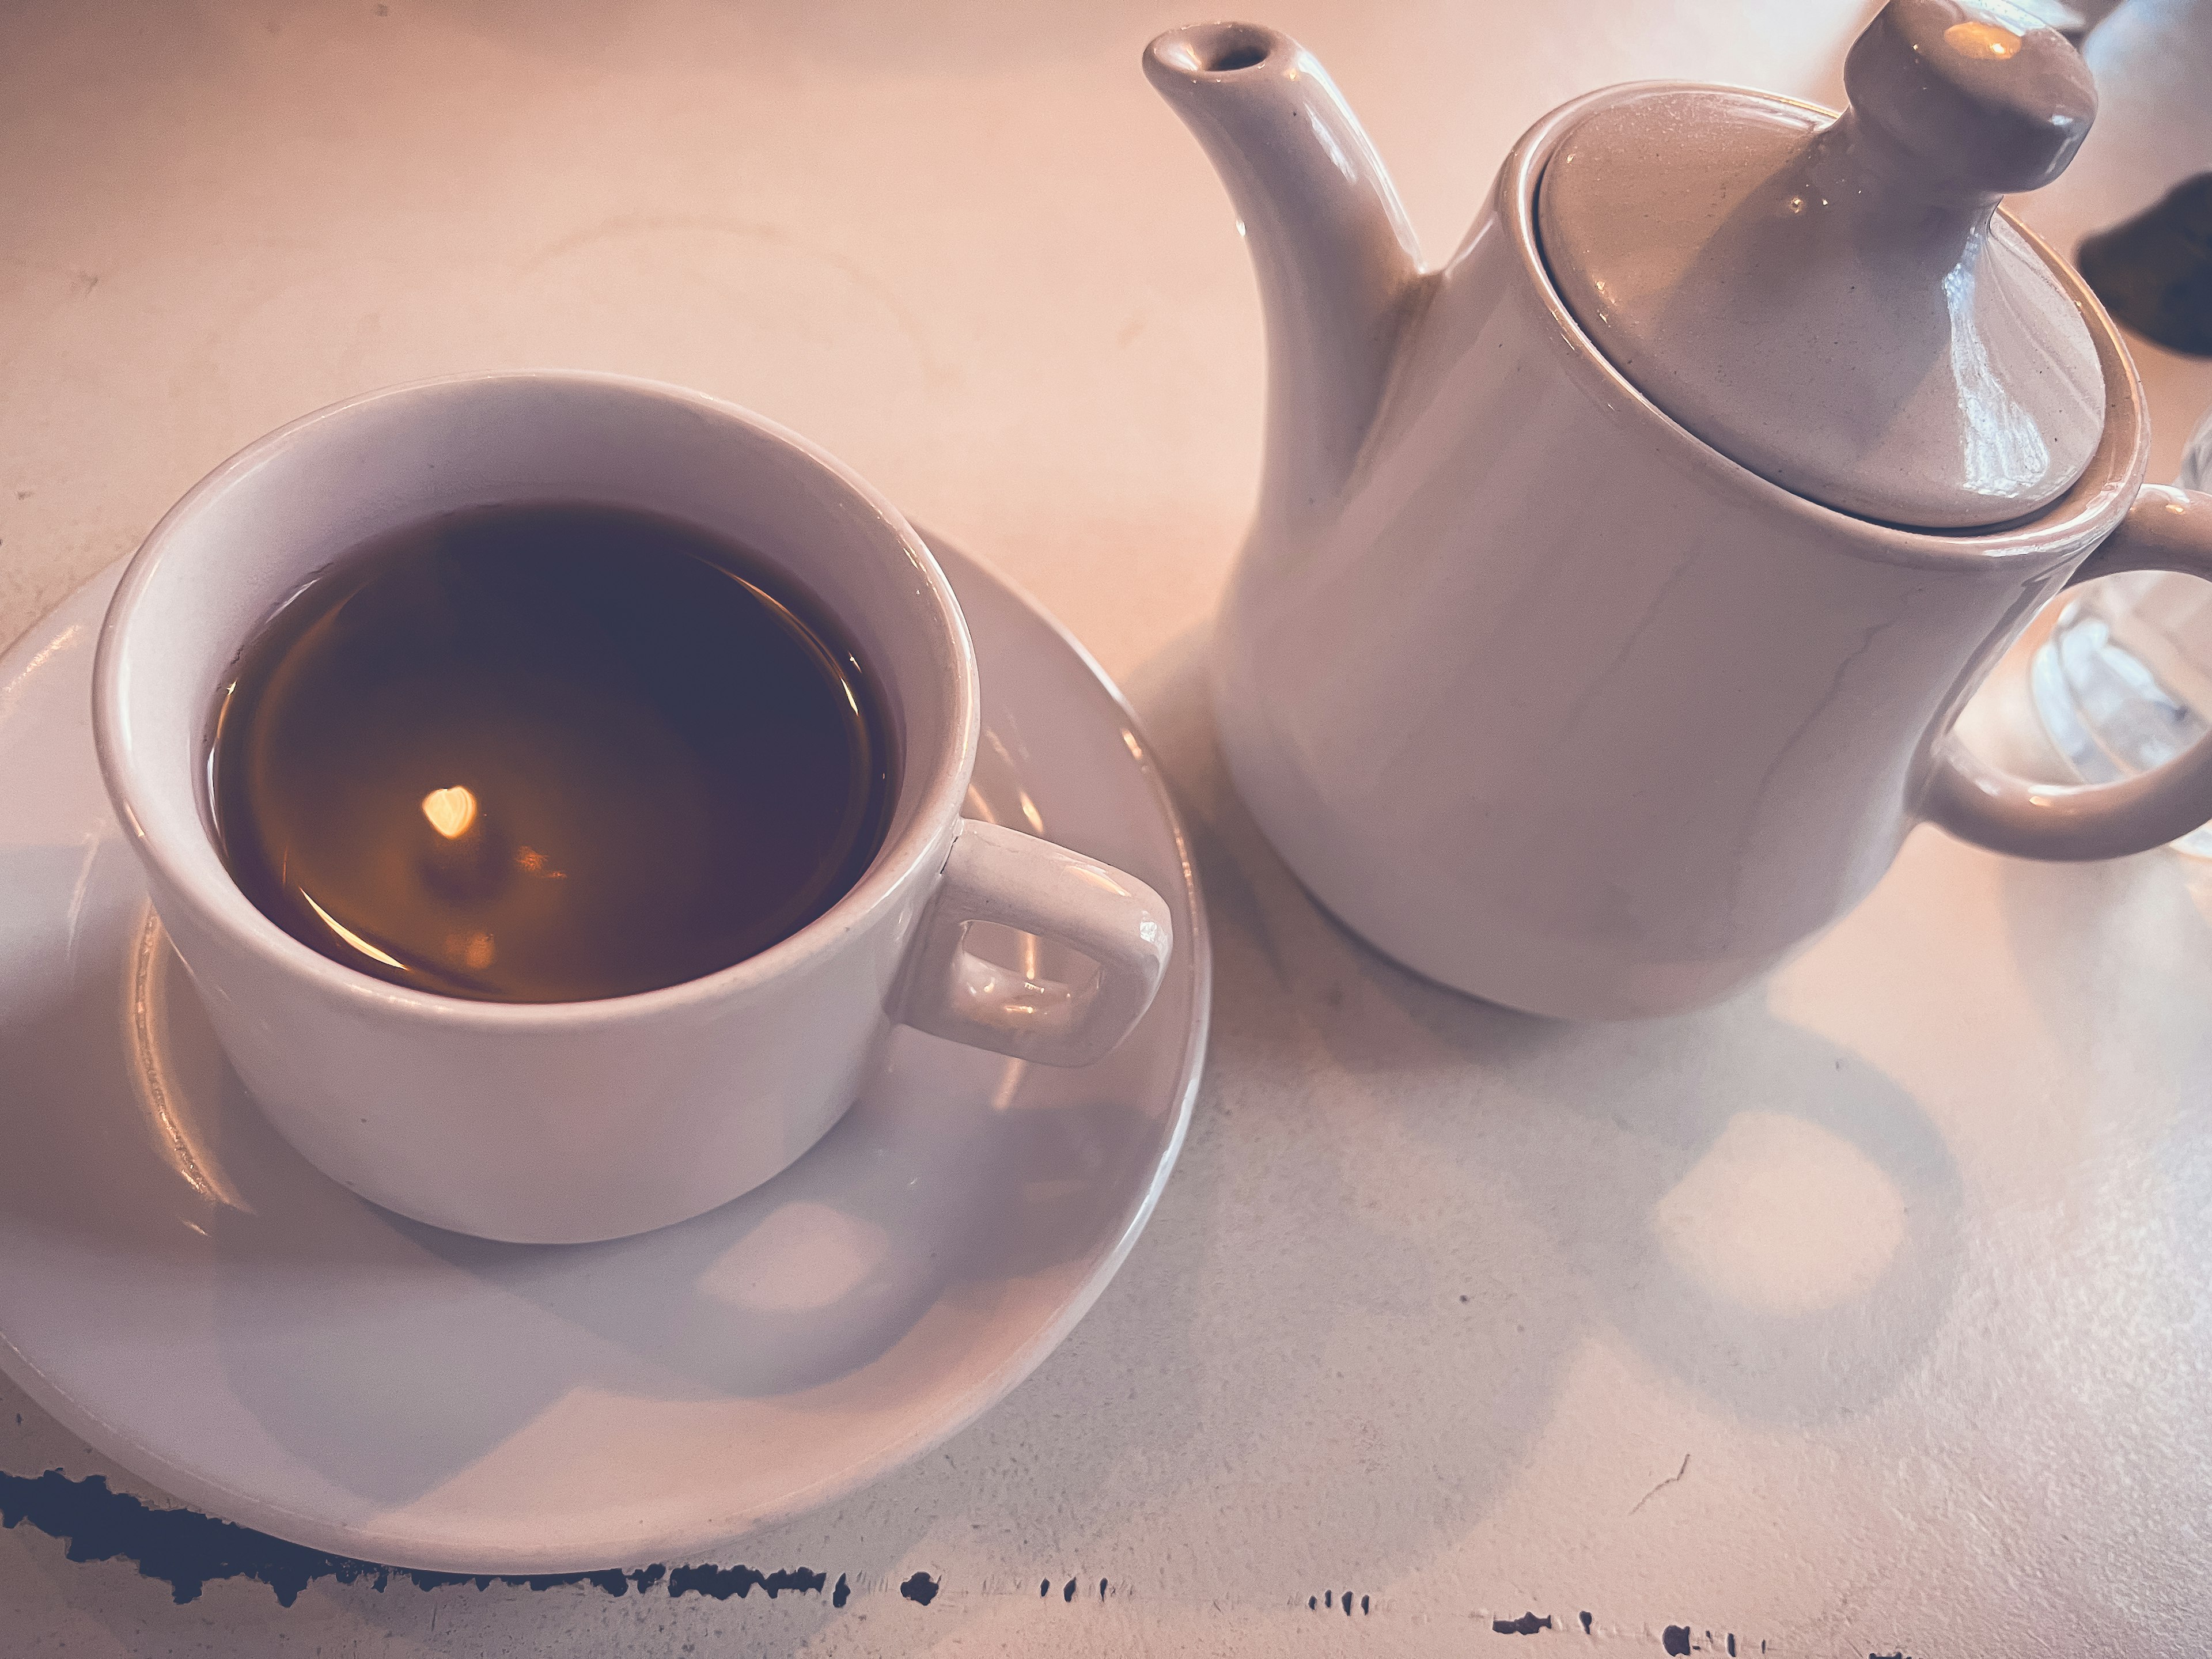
1336	259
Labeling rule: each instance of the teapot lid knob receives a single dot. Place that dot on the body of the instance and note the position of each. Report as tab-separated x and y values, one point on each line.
1837	304
1978	100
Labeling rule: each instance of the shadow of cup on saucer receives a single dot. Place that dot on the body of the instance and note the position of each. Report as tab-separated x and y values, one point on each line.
834	1271
826	1274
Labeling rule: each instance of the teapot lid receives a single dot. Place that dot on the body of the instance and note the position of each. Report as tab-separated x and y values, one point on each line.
1835	303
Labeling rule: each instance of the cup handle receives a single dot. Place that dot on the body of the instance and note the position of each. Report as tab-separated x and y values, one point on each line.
2166	529
999	875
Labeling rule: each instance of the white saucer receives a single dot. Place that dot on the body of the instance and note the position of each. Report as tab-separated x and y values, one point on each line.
182	1291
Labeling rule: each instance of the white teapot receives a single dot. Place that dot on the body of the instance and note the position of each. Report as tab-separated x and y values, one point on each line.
1614	585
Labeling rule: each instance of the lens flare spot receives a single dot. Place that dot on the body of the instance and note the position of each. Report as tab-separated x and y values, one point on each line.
471	950
1975	39
451	811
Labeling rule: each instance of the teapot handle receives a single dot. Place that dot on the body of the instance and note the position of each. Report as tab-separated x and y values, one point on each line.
2166	529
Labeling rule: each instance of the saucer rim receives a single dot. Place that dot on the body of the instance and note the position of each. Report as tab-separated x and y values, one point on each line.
209	1494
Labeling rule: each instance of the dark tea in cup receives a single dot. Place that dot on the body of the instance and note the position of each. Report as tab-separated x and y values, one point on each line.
548	753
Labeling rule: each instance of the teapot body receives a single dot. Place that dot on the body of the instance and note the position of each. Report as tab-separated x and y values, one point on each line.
1560	707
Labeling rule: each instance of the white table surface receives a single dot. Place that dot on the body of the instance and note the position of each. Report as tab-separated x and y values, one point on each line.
1867	1314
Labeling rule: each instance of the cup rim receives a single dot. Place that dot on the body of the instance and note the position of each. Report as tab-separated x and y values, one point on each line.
2088	511
218	904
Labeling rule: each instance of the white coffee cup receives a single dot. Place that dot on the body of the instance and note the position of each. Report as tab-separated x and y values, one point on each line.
572	1122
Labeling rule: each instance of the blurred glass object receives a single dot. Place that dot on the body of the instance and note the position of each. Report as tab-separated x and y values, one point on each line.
2124	682
2153	135
2125	679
